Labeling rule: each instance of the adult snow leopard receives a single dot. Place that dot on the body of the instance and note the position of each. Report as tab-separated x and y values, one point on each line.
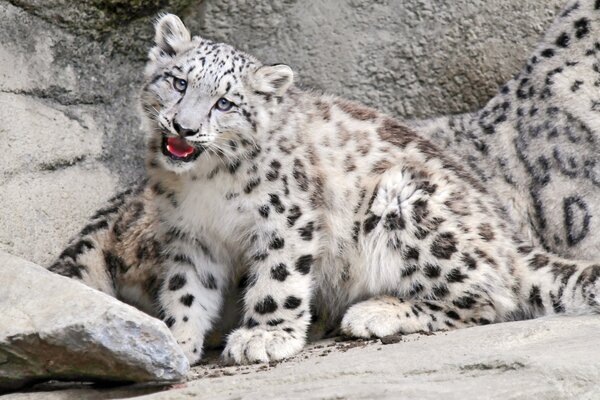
535	144
322	205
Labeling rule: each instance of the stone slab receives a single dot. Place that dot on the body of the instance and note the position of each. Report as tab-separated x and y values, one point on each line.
53	327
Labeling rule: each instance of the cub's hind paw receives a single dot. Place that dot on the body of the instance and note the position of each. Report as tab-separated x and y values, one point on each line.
378	318
253	345
192	351
189	342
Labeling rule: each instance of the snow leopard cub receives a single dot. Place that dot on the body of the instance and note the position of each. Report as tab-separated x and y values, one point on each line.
324	206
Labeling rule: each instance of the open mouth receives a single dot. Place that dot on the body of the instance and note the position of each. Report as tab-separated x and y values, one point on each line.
179	149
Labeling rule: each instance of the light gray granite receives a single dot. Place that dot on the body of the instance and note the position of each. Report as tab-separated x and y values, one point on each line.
53	327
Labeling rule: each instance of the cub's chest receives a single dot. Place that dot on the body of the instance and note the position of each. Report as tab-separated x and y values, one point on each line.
222	204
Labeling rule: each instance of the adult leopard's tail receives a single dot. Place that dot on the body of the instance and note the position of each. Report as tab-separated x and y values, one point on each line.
554	285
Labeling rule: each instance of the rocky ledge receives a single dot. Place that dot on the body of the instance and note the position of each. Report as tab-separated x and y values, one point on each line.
548	358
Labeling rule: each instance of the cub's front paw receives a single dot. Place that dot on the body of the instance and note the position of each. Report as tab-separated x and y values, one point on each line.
252	345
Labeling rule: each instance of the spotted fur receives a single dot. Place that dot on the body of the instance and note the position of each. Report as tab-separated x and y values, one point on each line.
320	206
536	143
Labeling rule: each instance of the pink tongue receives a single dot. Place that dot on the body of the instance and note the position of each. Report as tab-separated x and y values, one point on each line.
179	147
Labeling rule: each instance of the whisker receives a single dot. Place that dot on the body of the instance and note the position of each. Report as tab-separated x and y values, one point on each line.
224	151
213	149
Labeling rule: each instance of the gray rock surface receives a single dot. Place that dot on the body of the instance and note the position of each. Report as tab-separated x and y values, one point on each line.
55	328
540	359
545	359
65	117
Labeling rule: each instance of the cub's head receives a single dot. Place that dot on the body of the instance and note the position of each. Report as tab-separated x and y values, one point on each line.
202	98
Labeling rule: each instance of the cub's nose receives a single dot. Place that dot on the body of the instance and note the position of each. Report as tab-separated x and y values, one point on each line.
184	132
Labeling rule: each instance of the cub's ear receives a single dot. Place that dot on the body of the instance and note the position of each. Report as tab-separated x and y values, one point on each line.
171	35
273	79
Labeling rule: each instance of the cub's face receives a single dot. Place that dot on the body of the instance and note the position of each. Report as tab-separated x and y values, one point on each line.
202	99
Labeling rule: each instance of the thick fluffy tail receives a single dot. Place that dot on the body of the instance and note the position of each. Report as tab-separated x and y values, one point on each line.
554	285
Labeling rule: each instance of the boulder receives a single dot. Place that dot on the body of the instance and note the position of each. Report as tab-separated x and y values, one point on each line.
56	328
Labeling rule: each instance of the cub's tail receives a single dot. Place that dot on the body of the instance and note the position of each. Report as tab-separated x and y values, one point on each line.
90	255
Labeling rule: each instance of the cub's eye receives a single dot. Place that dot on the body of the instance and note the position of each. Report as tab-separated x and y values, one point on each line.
223	104
179	84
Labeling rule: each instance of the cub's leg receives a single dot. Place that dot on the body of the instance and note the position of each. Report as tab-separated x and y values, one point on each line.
172	276
434	259
276	301
191	294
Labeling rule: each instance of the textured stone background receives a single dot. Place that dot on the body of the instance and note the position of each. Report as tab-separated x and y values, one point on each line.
70	72
411	58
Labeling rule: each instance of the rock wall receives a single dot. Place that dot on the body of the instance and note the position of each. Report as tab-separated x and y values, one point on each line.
411	58
68	126
70	73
